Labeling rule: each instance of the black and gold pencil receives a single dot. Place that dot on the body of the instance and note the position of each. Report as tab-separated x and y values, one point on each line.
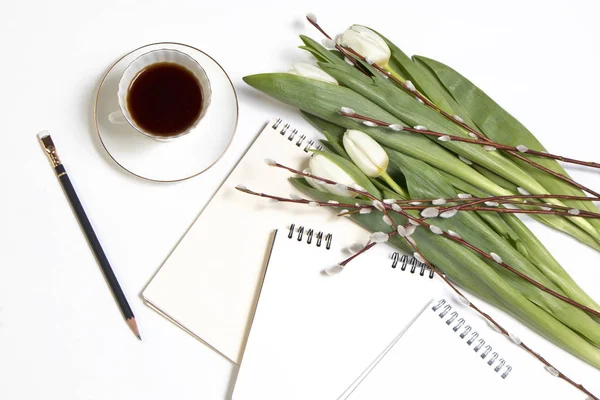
61	173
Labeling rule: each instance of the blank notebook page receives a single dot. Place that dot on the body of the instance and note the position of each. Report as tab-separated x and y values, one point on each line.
450	352
209	284
314	335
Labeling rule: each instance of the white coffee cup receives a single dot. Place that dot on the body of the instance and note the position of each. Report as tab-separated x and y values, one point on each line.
141	63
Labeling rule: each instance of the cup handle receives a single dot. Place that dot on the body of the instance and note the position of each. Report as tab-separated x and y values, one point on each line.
117	117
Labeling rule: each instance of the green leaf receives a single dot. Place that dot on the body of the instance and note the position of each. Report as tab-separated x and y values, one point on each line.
404	106
336	144
425	182
423	80
324	100
327	145
486	279
470	272
332	133
500	181
548	264
324	125
493	219
502	127
322	54
514	230
435	91
559	223
314	53
466	269
401	104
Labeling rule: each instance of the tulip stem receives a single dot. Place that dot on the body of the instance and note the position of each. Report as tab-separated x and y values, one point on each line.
395	187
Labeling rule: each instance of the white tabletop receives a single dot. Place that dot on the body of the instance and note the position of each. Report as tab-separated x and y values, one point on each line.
61	335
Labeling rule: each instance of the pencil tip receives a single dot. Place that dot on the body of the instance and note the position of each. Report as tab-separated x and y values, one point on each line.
134	328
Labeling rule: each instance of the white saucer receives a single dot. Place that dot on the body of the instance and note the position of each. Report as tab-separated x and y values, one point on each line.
184	157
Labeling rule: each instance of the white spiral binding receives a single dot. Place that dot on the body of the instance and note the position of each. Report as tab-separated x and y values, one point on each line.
285	130
310	236
457	324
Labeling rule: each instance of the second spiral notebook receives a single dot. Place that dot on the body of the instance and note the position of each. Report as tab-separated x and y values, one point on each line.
314	336
449	352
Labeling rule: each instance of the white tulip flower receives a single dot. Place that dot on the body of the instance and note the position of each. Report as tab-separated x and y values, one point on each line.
311	71
366	153
319	185
369	157
322	167
366	43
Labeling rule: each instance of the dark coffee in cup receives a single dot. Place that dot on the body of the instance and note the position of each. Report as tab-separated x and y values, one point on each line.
165	99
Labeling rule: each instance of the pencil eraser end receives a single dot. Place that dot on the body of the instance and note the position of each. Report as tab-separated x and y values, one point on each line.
43	134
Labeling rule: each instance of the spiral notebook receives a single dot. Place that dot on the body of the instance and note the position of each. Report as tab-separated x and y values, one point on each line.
208	285
315	336
450	352
374	332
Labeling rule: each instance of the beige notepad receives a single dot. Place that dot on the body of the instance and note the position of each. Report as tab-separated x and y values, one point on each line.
209	285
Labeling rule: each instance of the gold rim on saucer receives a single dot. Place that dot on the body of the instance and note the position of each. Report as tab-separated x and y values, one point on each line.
169	44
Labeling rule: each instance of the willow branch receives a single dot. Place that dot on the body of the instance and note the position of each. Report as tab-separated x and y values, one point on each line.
337	46
413	245
502	264
384	207
507	197
510	149
483	141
